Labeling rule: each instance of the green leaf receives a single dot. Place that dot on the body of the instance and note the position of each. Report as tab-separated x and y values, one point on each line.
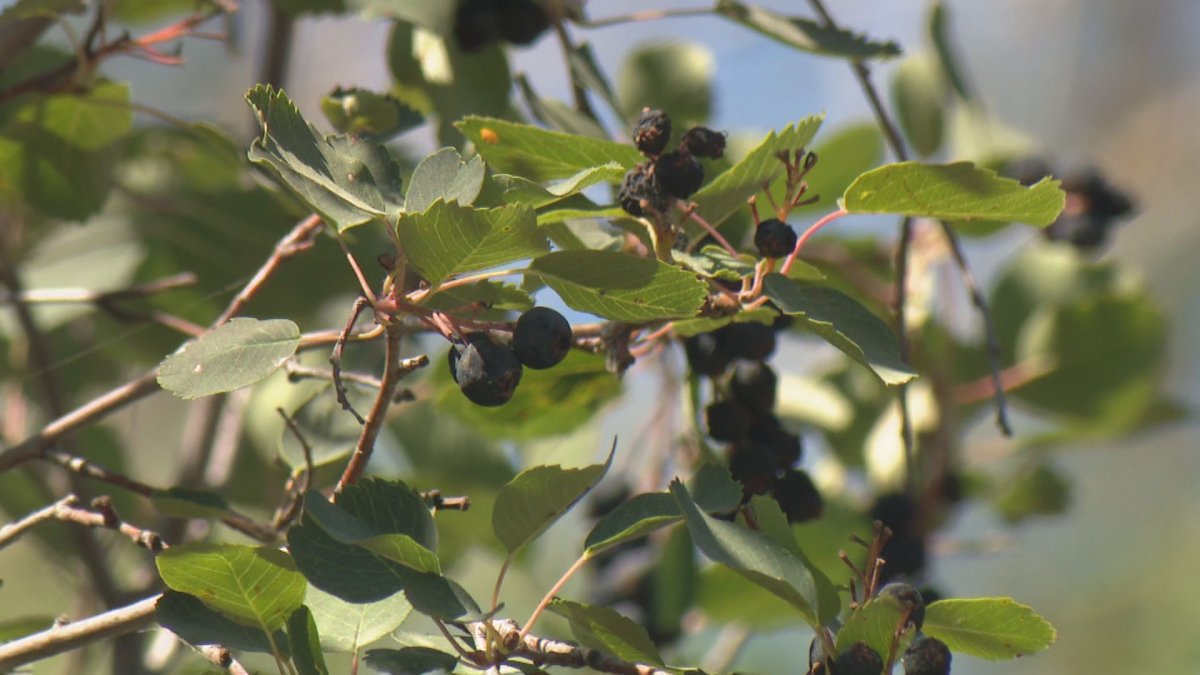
348	627
772	522
362	112
958	191
257	586
557	115
728	192
445	176
585	68
182	502
410	661
439	597
841	157
348	180
548	402
195	623
806	35
919	98
761	560
449	239
608	631
233	356
539	496
50	9
90	120
714	261
674	76
374	507
306	643
621	287
523	190
843	323
487	293
1036	490
405	550
541	155
988	628
726	596
874	623
941	41
52	176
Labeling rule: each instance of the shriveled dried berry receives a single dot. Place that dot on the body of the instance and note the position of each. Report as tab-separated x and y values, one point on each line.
706	354
797	496
703	142
542	338
727	421
640	192
751	340
751	466
774	238
522	21
679	174
753	385
652	132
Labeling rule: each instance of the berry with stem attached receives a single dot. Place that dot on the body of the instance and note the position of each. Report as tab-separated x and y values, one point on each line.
652	132
753	385
703	142
908	598
774	238
640	192
542	338
678	173
487	372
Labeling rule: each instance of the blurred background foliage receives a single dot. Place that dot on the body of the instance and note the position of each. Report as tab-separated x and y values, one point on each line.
1086	529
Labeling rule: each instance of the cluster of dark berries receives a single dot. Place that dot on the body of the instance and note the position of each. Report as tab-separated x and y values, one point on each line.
665	176
905	550
489	371
762	454
1093	205
479	23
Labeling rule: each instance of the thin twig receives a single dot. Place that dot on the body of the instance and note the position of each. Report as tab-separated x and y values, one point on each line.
335	359
550	594
376	416
285	514
647	15
59	639
295	371
578	92
13	531
87	295
299	239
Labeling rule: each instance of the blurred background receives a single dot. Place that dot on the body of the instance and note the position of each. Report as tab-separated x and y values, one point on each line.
1107	83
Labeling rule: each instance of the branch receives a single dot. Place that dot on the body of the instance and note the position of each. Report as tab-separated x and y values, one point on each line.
377	414
508	636
71	636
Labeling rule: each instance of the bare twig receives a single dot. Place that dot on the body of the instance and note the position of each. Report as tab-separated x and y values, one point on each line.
550	594
295	371
59	639
377	414
298	240
518	644
335	359
288	512
13	531
87	295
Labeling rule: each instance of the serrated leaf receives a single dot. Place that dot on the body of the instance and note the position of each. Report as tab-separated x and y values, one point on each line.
621	287
988	628
807	35
363	112
410	661
448	239
728	192
257	586
523	190
761	560
843	323
348	627
306	643
195	623
539	496
773	523
89	120
675	76
958	191
347	180
714	261
233	356
541	155
182	502
445	176
874	623
608	631
919	98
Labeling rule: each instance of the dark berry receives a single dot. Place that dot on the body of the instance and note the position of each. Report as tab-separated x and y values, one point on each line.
703	142
751	340
896	510
1081	230
706	354
522	21
774	238
926	656
751	466
476	24
679	174
727	421
1099	197
1092	209
542	338
640	192
1028	171
753	385
859	659
905	556
785	447
798	498
931	594
909	600
652	132
487	372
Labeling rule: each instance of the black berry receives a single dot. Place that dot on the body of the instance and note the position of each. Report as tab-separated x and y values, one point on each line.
774	238
1081	230
706	354
905	556
522	21
652	132
542	338
727	421
798	498
751	340
679	174
909	600
641	192
926	656
476	24
751	466
753	385
487	372
703	142
896	510
859	659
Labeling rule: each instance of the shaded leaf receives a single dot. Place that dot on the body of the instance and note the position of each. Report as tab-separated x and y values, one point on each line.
988	628
958	191
89	120
621	287
405	550
257	586
1036	490
541	155
490	294
843	323
919	98
410	661
445	176
195	623
347	180
941	41
806	35
523	190
448	239
348	627
874	623
841	157
182	502
362	112
439	597
539	496
235	355
306	643
608	631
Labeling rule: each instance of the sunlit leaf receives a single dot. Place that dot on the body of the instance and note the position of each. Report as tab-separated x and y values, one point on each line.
233	356
995	629
257	586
